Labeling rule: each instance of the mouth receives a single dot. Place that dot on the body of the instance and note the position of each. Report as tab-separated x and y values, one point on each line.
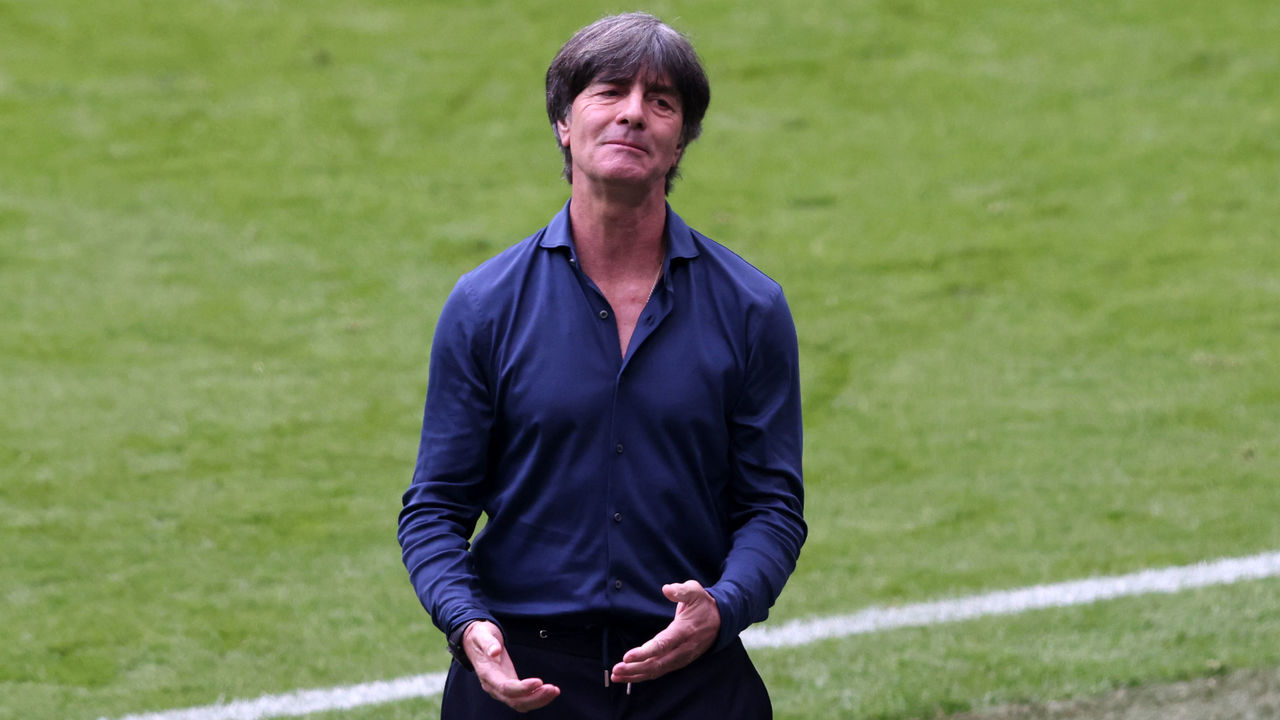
629	146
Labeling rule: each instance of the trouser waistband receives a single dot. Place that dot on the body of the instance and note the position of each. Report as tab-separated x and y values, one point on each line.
607	641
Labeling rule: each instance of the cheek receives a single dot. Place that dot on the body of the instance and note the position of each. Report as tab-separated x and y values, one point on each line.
677	149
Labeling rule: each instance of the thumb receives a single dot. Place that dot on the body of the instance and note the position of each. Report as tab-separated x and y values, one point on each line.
490	642
685	592
493	646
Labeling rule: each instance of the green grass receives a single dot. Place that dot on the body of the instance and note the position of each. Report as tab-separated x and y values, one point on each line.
1030	249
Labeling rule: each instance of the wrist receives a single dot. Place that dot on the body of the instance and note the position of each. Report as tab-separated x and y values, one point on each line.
456	647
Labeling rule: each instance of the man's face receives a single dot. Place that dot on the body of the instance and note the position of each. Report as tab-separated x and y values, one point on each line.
624	131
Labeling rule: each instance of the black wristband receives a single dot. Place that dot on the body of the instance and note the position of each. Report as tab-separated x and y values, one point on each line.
458	652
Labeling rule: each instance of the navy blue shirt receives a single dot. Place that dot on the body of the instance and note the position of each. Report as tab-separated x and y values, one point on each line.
605	476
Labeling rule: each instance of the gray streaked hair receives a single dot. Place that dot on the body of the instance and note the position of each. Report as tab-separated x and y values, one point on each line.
622	47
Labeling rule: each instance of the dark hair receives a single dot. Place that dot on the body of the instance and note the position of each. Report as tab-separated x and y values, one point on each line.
623	47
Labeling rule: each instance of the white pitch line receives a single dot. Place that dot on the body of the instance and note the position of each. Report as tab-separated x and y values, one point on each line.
1008	602
305	702
790	634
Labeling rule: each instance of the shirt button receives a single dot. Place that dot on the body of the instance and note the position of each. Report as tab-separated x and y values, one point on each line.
617	584
617	517
618	448
604	314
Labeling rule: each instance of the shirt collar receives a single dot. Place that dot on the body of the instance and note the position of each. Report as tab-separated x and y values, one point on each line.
557	233
680	242
679	238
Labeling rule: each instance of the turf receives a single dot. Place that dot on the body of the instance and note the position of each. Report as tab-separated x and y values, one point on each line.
1029	248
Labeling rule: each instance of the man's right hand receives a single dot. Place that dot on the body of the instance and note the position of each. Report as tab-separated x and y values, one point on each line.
484	645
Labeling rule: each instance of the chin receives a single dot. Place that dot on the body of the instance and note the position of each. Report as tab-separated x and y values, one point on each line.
625	177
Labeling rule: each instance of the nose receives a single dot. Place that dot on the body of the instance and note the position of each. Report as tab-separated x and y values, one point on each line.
631	109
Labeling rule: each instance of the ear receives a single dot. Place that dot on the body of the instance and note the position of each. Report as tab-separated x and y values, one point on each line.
562	130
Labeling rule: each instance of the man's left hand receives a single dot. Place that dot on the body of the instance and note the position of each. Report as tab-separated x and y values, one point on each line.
690	634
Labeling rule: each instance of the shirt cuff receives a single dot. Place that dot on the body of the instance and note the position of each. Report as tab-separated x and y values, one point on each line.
456	649
730	618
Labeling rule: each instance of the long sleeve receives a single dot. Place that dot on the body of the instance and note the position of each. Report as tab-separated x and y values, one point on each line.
443	502
767	497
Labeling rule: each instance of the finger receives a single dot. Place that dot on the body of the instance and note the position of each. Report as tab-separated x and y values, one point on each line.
625	672
524	695
650	669
515	689
666	652
539	699
659	645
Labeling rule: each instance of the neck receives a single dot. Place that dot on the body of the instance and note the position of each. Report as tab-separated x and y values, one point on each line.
617	234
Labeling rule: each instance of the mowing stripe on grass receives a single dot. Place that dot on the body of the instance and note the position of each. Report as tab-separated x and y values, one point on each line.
792	633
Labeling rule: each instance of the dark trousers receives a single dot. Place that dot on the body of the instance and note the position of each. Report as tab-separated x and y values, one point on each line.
722	685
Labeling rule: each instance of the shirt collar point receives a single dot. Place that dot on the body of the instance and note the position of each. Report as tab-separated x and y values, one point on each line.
557	232
679	237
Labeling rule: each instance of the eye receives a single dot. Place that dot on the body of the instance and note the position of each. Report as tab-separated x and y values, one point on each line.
665	104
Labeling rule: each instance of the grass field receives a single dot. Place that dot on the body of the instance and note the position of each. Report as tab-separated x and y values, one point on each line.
1031	249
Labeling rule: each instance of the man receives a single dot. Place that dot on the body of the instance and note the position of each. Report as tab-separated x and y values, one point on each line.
619	395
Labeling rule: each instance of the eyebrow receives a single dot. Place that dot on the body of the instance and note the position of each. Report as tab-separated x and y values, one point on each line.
654	86
662	88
